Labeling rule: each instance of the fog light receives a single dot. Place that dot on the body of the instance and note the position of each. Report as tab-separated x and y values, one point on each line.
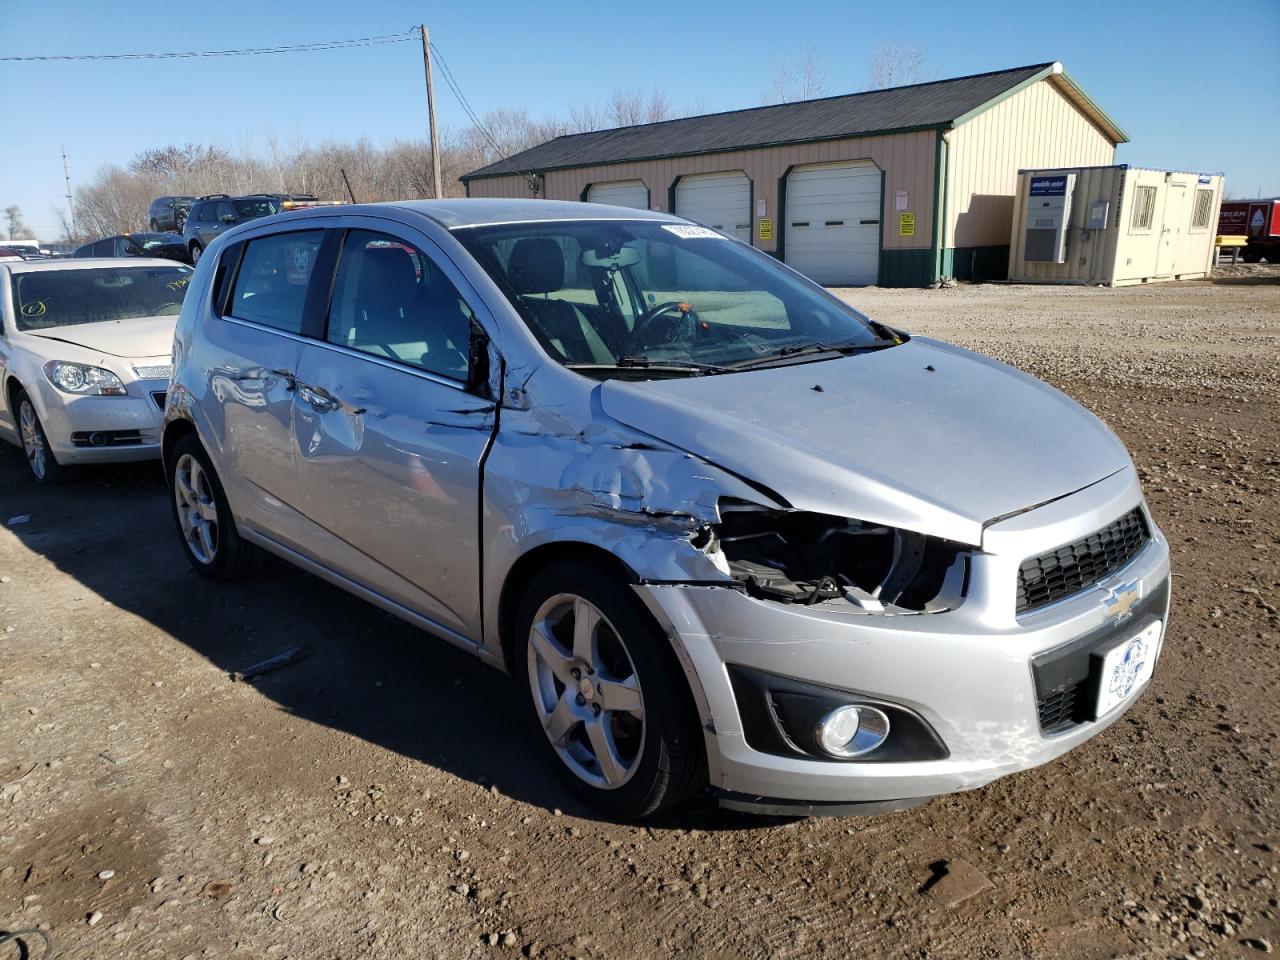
851	731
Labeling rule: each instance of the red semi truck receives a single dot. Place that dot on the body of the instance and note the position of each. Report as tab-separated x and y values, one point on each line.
1259	221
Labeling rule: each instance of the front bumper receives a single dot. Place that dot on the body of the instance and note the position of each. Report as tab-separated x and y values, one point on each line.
968	673
70	420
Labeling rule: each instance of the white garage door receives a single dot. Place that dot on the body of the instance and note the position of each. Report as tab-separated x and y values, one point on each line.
833	222
620	193
721	201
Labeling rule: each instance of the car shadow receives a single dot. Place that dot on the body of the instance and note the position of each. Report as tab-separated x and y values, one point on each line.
365	672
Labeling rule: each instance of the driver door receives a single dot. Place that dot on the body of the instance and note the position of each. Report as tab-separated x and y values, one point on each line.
389	438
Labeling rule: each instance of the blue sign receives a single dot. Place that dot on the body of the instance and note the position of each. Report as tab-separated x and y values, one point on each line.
1048	186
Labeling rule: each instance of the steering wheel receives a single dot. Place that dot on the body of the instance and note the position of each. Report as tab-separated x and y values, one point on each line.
650	317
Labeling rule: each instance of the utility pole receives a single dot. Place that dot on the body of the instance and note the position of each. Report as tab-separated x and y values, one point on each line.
431	110
71	207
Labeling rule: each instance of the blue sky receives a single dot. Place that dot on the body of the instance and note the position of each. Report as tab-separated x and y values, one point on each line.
1151	66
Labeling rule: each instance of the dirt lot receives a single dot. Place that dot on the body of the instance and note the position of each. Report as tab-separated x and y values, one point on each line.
377	800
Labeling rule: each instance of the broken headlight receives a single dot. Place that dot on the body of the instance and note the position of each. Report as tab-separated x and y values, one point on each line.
797	557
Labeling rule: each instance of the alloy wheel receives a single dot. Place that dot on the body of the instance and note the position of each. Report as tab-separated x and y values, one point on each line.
197	511
586	691
33	440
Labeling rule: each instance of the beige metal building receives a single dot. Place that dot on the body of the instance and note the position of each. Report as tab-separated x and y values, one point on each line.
1113	225
898	187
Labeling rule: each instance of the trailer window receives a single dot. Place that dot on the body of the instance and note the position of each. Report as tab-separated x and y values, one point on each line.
1203	210
1144	208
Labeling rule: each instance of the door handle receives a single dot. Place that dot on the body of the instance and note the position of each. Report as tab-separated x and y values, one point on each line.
319	398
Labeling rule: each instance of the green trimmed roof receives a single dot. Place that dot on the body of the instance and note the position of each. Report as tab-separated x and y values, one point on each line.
941	103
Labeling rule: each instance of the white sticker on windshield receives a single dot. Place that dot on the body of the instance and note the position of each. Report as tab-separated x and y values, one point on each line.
690	232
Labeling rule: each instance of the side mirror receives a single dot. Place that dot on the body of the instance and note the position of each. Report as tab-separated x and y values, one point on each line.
478	361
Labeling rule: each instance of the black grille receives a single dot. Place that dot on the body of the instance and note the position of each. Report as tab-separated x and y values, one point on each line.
1077	566
1062	710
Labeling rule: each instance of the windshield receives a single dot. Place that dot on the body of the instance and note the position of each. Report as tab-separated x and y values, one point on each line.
61	298
608	296
257	207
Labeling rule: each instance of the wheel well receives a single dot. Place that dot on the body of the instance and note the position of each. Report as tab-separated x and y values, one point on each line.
11	388
174	431
528	566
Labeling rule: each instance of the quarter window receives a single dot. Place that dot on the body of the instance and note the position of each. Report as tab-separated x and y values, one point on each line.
1203	210
271	287
1144	208
390	300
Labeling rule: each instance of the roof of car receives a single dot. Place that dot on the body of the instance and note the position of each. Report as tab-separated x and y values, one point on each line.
455	212
82	263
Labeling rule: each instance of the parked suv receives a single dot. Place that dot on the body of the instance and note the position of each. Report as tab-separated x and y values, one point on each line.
168	213
721	528
211	215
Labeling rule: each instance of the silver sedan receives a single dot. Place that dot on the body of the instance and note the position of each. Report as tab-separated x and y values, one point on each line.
85	358
724	530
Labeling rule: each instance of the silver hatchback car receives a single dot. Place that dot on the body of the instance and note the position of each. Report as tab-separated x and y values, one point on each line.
721	528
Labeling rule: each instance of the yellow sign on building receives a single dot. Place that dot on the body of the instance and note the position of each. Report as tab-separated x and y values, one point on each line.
766	228
906	224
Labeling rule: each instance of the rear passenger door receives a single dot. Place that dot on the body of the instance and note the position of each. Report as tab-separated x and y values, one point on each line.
262	300
389	438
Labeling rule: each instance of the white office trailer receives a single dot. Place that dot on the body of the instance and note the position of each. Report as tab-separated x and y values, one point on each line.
1113	225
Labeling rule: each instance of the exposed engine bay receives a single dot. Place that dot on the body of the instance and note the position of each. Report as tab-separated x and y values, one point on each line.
806	558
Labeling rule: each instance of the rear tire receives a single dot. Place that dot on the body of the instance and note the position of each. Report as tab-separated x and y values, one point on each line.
600	679
1251	254
35	443
206	526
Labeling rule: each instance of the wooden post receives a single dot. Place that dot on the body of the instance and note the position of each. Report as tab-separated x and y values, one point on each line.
431	111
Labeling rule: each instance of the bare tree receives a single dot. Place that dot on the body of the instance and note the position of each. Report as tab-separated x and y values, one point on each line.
17	229
895	65
626	108
586	116
801	78
115	200
658	108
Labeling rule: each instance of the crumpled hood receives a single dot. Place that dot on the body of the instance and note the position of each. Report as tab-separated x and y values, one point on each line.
923	436
142	337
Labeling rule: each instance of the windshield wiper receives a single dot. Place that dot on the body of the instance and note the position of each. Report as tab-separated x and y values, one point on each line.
659	366
812	349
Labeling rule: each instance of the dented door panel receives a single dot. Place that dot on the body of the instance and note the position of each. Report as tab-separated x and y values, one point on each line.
389	469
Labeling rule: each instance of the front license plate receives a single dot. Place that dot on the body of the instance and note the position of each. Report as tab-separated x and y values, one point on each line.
1126	667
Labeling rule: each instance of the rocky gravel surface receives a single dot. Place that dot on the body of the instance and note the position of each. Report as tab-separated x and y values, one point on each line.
377	799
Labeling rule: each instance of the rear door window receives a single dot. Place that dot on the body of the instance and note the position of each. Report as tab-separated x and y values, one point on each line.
275	271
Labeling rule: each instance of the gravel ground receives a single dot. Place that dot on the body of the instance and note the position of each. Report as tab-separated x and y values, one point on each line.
377	798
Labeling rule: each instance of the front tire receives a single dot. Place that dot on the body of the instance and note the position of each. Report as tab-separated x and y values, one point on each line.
35	444
205	523
605	694
196	251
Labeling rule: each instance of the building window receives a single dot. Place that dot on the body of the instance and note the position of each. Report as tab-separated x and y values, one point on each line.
1203	210
1144	208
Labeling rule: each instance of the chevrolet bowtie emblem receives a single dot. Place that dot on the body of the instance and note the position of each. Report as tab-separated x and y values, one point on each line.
1120	600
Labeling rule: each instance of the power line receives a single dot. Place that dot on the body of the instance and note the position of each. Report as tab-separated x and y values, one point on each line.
240	52
462	102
